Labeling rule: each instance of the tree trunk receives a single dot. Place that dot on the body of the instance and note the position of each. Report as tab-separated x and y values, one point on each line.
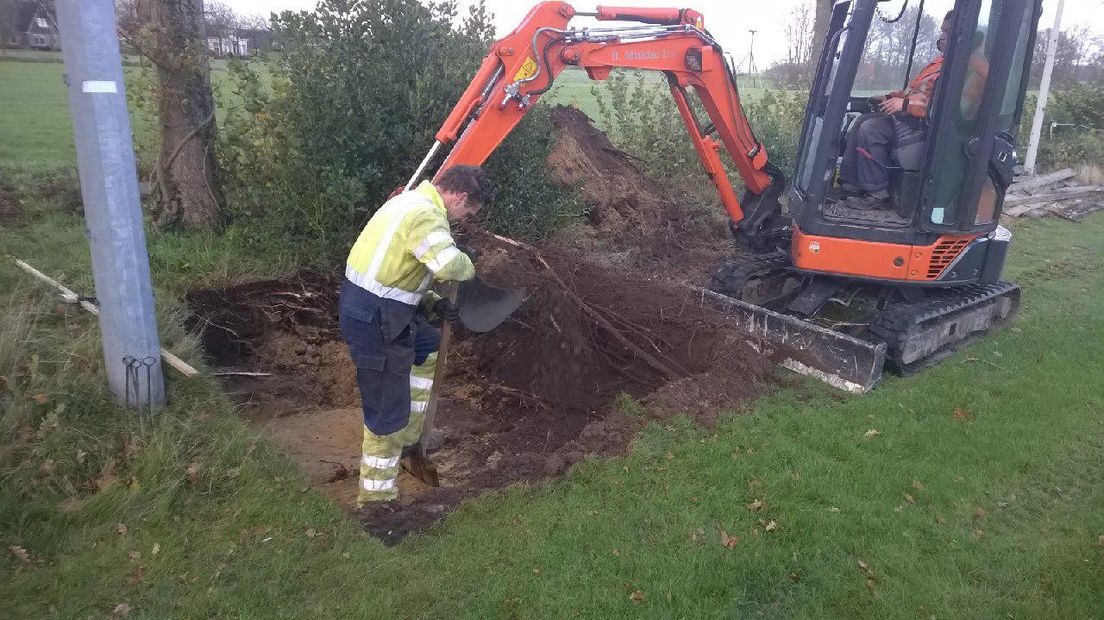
820	28
186	170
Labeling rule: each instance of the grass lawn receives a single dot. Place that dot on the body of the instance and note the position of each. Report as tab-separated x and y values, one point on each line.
981	493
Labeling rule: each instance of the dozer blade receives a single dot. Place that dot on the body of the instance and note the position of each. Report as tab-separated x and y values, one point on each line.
840	360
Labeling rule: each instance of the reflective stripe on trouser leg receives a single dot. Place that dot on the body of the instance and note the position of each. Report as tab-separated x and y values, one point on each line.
379	468
421	384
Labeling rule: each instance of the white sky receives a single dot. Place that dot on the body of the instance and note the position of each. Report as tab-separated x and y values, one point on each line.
728	20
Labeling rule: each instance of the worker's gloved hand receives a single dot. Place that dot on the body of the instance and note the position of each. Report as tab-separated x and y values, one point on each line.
470	251
447	310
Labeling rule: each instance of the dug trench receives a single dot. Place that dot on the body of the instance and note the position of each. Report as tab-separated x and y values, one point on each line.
597	350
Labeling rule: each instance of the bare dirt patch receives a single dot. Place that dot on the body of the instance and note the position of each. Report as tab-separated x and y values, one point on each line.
10	207
531	398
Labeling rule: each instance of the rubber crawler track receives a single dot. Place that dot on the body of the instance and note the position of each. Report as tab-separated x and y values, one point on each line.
894	324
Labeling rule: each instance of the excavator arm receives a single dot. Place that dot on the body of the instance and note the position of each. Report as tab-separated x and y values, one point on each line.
522	66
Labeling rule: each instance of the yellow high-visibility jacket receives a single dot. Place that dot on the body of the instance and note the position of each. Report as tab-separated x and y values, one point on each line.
405	246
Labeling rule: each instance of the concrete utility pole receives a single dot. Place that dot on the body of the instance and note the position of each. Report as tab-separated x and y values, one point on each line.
109	189
1044	90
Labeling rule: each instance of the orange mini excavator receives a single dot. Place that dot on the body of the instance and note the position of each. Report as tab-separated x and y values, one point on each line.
832	291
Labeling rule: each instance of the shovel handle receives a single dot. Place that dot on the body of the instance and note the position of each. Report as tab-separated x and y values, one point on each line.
438	374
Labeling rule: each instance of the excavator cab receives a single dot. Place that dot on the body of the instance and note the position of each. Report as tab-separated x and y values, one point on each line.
940	225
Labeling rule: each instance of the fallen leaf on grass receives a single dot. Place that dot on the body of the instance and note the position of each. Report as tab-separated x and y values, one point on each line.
729	541
770	526
121	529
311	533
833	509
20	553
616	552
978	513
70	505
756	505
961	415
107	476
121	610
869	574
872	433
192	472
637	596
916	485
156	549
909	498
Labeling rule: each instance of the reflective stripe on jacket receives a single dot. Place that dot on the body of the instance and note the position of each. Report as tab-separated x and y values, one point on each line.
405	245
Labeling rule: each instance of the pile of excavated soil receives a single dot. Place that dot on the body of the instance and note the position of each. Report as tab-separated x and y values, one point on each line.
534	396
636	225
620	197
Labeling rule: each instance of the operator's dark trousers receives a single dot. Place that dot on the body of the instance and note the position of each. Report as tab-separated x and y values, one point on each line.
386	339
875	134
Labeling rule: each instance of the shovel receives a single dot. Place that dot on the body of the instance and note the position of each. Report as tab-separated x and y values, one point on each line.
482	308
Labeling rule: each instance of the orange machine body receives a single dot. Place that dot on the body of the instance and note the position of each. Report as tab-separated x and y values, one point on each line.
875	260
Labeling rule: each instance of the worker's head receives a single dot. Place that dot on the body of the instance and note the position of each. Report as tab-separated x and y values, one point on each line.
465	189
945	31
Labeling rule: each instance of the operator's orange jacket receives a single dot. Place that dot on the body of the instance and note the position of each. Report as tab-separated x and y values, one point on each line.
920	89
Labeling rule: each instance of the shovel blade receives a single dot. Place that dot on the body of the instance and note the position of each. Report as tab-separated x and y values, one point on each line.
484	307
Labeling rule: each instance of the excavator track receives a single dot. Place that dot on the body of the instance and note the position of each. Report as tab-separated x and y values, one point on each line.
758	279
920	334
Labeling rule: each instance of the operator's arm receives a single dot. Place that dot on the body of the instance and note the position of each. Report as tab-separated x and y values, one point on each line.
430	241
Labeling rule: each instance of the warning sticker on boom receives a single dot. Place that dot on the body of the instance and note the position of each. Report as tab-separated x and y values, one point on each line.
528	68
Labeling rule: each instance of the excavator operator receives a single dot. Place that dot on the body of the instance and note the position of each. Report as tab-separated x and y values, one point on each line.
384	299
897	128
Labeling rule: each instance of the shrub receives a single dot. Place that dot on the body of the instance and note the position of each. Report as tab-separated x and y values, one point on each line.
1080	140
323	133
644	121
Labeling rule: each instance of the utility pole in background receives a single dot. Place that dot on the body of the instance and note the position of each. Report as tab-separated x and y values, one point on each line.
753	70
1044	91
112	210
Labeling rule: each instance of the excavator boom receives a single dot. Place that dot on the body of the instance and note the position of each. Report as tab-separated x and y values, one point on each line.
523	65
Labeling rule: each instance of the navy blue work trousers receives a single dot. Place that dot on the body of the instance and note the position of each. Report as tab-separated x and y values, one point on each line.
386	338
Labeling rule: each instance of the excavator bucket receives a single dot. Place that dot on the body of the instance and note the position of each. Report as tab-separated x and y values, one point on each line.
840	360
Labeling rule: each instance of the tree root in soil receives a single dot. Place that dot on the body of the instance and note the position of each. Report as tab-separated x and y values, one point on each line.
661	363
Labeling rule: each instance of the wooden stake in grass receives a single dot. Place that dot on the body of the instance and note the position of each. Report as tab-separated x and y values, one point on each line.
71	297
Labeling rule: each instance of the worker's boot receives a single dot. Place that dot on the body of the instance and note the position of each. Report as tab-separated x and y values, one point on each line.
870	201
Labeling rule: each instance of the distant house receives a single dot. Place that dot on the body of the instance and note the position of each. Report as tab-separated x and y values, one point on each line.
29	24
241	42
258	38
232	45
